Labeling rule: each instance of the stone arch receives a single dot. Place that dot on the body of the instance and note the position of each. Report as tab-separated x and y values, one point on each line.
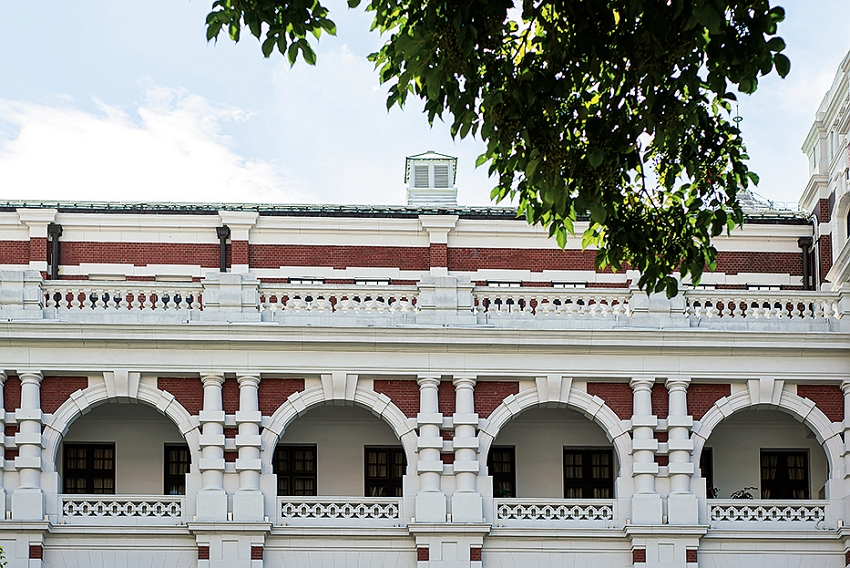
353	395
83	401
558	392
802	409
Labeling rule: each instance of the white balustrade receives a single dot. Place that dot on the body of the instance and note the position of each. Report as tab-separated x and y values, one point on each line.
738	304
543	512
121	509
745	512
322	299
558	302
121	296
340	510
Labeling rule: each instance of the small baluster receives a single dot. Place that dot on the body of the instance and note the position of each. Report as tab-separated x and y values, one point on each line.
49	301
528	308
779	309
323	304
75	299
725	311
87	303
808	310
98	302
121	302
738	312
795	309
711	308
172	303
830	308
149	302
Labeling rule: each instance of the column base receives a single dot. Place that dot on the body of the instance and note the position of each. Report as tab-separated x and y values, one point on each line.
646	509
467	508
248	506
682	509
431	507
28	505
211	505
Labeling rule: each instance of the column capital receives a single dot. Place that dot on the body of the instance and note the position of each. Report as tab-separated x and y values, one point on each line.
3	378
464	381
644	383
845	386
30	376
677	383
430	380
247	379
212	379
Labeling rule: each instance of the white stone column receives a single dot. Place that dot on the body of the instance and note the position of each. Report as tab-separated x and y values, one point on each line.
845	388
248	500
646	503
466	501
682	508
430	501
2	445
28	499
212	499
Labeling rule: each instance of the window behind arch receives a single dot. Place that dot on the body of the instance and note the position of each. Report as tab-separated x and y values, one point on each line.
588	474
88	468
295	467
784	475
384	471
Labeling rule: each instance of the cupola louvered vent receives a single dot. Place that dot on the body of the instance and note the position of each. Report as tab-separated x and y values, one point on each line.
430	180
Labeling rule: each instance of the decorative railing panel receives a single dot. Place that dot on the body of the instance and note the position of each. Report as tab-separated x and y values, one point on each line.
751	305
339	510
577	512
122	509
556	302
321	299
121	296
738	512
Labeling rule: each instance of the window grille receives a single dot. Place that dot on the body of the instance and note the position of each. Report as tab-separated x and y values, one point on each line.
784	475
588	474
177	462
501	463
89	468
385	469
295	467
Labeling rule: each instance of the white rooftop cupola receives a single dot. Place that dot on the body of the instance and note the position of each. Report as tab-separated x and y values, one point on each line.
430	179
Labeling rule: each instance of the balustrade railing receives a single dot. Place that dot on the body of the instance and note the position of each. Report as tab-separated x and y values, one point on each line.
740	304
340	510
749	513
321	299
121	509
574	512
121	296
559	302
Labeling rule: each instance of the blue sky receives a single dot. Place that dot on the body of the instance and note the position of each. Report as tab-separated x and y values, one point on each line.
126	101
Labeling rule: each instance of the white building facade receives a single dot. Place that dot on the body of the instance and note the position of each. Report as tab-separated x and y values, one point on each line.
428	386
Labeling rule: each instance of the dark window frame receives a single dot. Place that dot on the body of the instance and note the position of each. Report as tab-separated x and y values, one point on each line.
504	482
289	478
782	486
172	483
706	471
88	474
587	486
391	484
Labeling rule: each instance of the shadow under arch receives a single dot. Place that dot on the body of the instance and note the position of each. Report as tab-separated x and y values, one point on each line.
300	402
82	401
802	409
563	396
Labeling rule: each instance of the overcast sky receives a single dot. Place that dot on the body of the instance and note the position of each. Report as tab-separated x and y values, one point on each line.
126	101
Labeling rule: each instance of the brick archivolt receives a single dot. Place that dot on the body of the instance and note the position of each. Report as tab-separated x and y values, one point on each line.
557	392
828	433
82	401
340	391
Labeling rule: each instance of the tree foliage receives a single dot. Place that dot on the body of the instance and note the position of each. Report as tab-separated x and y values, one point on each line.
613	114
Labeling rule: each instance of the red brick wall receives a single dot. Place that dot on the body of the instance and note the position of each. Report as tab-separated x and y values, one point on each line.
825	242
446	398
703	397
824	212
239	252
828	398
12	393
404	394
536	260
14	252
188	391
56	390
490	394
274	392
38	248
340	257
139	254
230	396
618	396
660	400
439	256
733	262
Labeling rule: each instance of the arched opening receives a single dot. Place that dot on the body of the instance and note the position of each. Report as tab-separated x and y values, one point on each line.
763	454
552	453
123	449
343	451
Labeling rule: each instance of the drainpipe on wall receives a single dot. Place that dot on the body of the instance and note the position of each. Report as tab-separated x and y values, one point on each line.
223	233
54	231
805	244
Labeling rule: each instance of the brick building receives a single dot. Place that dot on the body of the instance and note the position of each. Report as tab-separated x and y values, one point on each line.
430	385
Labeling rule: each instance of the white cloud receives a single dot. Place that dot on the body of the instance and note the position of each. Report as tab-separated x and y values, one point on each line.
174	152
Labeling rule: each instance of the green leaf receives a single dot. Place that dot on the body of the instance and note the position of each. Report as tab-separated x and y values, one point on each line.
595	157
782	64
